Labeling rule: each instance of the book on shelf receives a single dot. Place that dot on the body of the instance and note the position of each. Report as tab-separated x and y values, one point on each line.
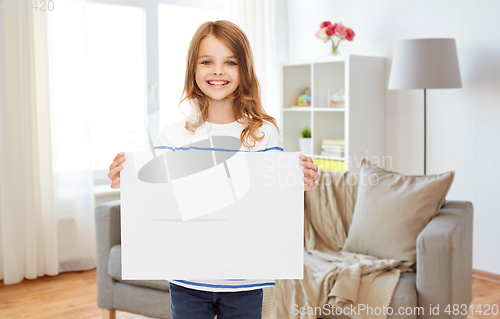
327	145
333	143
332	148
330	165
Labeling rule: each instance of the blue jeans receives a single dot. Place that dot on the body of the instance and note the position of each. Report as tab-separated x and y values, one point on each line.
196	304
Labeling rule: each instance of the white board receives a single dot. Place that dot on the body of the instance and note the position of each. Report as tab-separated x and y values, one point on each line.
250	227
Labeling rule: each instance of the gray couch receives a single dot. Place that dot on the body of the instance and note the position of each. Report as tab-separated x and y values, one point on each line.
443	277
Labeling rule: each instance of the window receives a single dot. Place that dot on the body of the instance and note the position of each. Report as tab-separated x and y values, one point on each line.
117	98
136	53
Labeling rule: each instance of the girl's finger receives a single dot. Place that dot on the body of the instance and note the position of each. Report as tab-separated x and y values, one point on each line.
117	156
311	184
308	184
116	183
308	181
304	158
309	164
314	176
112	173
308	173
311	174
305	164
118	160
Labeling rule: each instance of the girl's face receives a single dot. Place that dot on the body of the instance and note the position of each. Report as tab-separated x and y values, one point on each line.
216	69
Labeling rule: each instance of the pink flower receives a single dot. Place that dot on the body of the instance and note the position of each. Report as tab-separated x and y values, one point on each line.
350	34
321	34
330	29
317	33
325	24
341	31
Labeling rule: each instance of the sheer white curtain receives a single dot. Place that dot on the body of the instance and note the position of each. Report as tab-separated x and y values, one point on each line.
46	200
257	19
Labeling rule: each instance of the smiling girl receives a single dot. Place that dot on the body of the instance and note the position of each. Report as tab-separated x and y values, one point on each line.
220	75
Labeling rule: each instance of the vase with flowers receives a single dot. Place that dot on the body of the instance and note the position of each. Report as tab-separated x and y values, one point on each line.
336	32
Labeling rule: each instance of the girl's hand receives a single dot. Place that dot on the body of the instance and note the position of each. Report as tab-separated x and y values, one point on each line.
310	172
114	170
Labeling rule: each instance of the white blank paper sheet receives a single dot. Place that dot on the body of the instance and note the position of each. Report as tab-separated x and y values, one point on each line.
240	219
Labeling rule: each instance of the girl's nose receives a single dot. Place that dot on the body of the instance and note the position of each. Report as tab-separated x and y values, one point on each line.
217	69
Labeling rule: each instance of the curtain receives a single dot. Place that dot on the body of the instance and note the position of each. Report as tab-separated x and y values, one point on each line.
257	19
46	199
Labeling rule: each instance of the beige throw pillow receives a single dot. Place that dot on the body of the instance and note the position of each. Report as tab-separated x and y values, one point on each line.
392	209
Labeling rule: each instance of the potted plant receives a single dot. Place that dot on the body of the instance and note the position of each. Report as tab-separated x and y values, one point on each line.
305	141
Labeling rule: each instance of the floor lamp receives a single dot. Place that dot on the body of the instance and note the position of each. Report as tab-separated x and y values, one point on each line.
425	64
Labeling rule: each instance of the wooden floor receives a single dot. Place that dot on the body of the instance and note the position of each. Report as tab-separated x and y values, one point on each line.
73	295
69	295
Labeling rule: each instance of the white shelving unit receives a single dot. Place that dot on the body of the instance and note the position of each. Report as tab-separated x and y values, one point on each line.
360	122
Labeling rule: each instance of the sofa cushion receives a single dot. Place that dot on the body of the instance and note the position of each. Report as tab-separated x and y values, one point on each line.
392	209
115	271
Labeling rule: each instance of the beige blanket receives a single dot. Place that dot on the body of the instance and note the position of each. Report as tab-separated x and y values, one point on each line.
334	281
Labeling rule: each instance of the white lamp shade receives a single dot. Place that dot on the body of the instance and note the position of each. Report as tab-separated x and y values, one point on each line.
425	64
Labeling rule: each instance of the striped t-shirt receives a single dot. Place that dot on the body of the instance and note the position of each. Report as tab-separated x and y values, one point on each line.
176	135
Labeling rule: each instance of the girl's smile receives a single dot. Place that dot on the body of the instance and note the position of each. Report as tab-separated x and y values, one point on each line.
217	84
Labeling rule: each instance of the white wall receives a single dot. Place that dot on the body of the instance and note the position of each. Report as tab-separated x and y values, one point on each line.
463	125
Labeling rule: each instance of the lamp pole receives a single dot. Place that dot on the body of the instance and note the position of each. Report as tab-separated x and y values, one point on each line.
425	133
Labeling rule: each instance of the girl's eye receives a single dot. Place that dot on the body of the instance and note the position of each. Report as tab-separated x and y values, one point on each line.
233	63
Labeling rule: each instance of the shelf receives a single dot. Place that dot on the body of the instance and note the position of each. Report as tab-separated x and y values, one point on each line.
327	59
330	109
319	109
289	109
336	158
360	121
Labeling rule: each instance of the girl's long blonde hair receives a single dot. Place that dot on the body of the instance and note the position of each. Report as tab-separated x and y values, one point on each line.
247	104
